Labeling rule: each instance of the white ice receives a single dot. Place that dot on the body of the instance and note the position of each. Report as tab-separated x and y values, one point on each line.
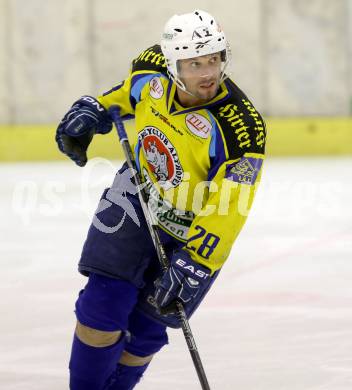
278	318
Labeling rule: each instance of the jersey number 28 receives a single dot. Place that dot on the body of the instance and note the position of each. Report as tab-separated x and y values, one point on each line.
208	245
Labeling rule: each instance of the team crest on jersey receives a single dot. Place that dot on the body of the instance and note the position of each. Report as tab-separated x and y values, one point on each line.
156	88
198	125
244	171
162	157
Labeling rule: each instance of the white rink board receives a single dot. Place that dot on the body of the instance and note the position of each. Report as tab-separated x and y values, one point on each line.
307	58
291	57
278	318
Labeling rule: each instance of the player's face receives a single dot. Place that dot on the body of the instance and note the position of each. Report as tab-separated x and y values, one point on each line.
201	75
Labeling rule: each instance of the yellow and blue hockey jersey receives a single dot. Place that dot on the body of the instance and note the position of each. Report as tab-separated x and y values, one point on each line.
201	164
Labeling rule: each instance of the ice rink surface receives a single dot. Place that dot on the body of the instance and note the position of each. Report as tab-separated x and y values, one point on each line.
278	318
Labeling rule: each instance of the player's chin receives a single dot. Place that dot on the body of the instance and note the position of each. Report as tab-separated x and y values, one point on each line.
208	91
207	95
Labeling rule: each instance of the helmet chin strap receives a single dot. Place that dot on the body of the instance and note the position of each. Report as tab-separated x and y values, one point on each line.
180	84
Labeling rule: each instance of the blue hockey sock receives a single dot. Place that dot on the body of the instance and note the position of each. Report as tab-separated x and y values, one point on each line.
90	367
126	377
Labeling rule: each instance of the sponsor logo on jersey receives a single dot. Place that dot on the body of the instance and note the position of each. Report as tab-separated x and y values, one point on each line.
175	222
152	57
198	125
156	88
162	157
235	118
165	120
244	171
259	123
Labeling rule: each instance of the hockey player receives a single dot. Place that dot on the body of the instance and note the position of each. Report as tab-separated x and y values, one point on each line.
199	149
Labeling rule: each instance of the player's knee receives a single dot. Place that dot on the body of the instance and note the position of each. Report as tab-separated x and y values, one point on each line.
128	359
96	338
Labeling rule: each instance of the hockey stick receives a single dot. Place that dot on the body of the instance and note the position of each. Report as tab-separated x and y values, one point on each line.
153	229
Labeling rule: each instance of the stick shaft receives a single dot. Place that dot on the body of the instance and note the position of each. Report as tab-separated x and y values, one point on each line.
153	229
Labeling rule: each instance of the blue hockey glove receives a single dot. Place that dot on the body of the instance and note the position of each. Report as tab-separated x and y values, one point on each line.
183	281
85	118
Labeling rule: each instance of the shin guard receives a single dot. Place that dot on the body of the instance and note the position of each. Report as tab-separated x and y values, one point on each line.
90	367
126	377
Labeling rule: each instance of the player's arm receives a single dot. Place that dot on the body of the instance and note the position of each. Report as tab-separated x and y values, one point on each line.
219	222
237	162
135	88
90	115
211	234
230	190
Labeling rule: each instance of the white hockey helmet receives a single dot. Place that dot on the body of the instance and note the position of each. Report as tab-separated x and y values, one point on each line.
192	35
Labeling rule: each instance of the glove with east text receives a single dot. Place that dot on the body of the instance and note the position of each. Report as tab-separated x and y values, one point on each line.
85	118
182	282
